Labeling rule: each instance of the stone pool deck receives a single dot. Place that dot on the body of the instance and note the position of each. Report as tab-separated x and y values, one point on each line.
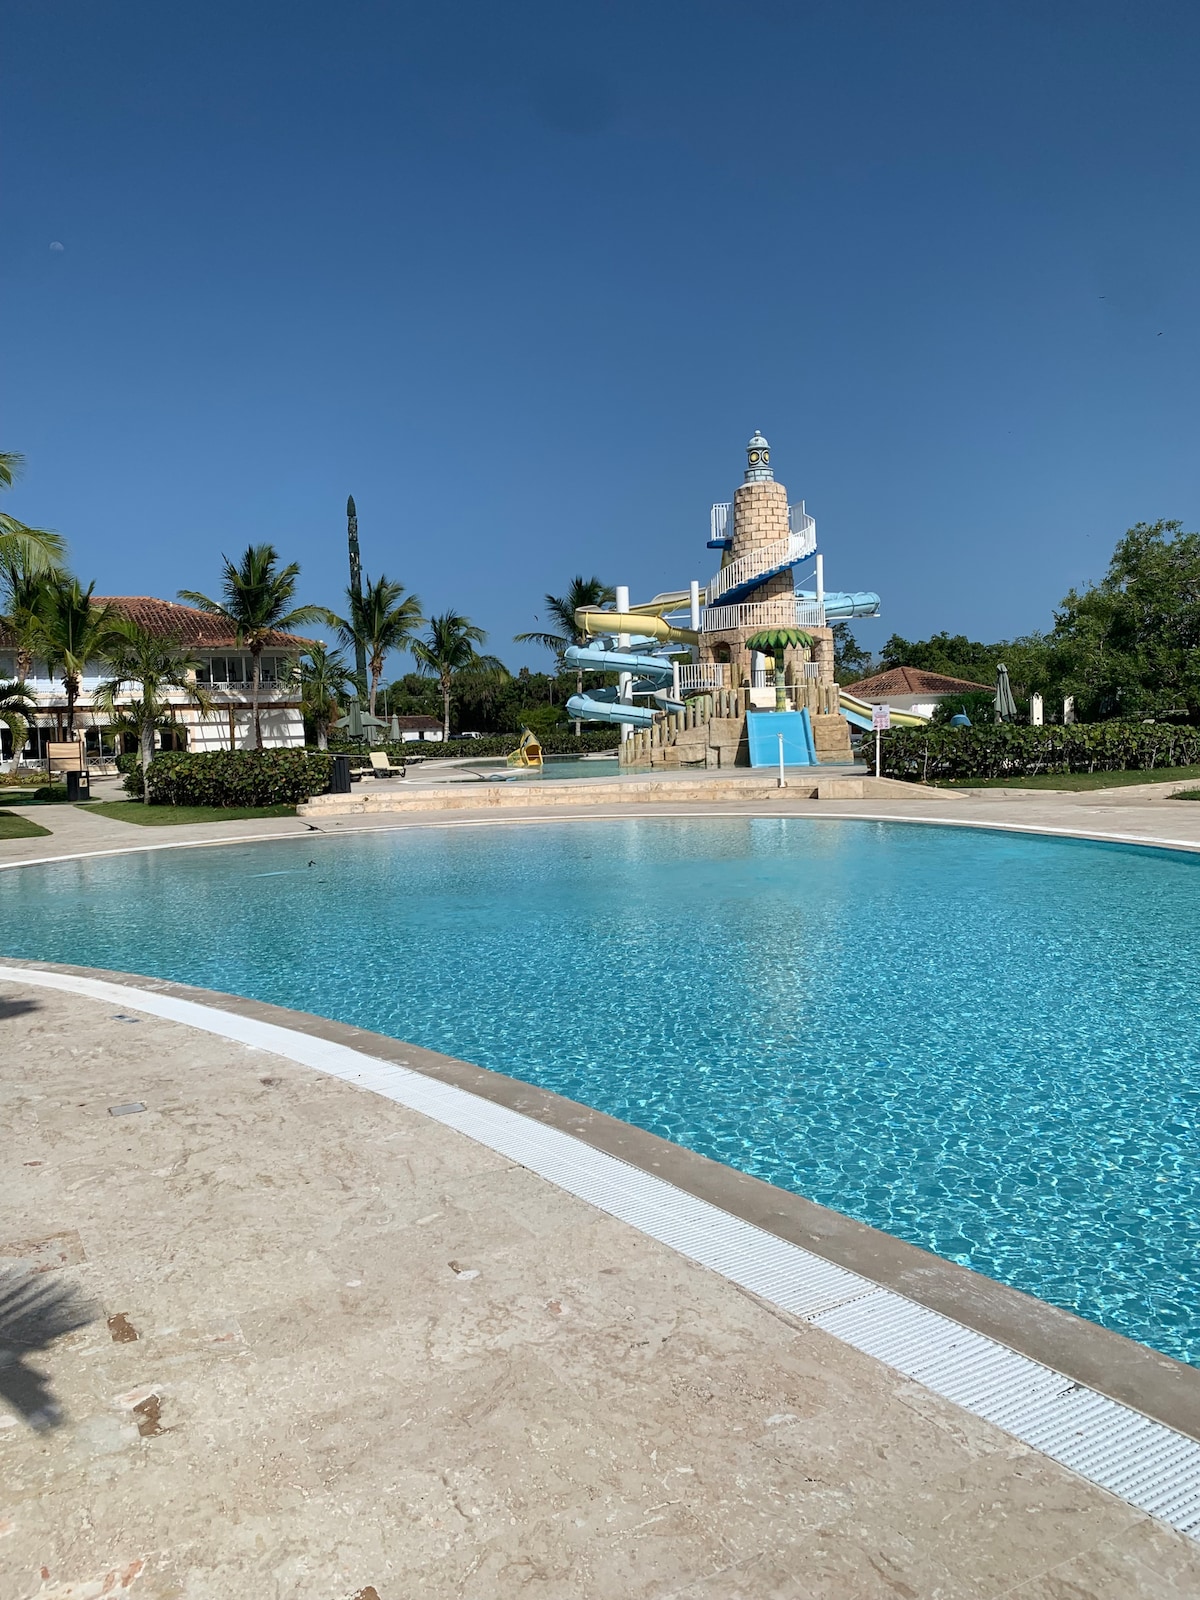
375	1359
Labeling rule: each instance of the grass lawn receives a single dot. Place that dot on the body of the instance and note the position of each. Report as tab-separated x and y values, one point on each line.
1076	780
158	816
14	827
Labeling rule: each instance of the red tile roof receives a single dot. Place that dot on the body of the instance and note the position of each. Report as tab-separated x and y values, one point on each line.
913	680
189	625
193	628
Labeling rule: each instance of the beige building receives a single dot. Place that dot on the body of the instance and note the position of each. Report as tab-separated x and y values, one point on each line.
223	667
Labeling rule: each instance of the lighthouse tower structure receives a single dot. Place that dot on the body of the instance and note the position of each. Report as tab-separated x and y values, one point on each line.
764	539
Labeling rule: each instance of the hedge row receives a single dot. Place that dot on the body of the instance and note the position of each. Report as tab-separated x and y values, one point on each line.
233	777
501	744
1007	750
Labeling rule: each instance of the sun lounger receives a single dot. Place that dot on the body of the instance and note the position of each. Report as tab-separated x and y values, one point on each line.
382	767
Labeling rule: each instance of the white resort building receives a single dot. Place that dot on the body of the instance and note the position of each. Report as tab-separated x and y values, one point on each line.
224	669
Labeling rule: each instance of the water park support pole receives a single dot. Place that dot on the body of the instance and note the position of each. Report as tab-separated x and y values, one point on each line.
625	679
820	580
782	779
694	602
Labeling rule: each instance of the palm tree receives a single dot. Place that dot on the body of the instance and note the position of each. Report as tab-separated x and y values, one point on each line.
22	592
69	631
322	676
380	621
36	548
774	642
258	595
448	652
582	594
155	665
17	707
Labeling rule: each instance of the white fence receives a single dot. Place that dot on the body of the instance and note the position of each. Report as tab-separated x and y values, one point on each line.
784	612
695	675
766	559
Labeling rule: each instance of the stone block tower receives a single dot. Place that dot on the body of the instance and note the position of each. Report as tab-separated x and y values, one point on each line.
761	528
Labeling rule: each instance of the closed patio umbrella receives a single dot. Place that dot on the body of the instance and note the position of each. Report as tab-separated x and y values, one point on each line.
394	729
1006	706
352	722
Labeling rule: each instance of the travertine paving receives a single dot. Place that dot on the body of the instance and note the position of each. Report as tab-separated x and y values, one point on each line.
371	1354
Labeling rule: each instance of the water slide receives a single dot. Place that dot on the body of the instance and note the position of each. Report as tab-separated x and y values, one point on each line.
859	714
651	675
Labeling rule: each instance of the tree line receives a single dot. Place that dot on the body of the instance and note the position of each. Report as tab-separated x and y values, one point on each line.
1126	648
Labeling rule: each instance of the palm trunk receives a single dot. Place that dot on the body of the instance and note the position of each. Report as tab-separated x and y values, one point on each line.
780	685
445	708
147	758
255	681
376	674
71	685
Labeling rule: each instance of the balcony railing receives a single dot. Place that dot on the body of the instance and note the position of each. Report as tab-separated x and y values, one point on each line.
784	612
766	560
695	675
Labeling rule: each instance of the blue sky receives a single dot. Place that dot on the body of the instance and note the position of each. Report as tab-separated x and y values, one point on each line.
523	279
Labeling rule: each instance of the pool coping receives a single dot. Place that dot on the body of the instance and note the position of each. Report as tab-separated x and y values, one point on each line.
1092	1357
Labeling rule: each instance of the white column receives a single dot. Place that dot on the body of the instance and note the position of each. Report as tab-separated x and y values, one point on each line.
1069	708
695	604
625	681
1035	710
820	580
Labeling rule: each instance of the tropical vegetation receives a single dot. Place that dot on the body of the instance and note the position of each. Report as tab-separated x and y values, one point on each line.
153	666
448	654
322	676
258	600
381	619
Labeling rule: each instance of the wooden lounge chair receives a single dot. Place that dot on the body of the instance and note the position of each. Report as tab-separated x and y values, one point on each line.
382	767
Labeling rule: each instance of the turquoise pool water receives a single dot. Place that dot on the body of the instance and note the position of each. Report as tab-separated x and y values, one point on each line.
983	1043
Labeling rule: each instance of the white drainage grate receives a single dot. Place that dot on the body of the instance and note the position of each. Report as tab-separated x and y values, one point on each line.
1146	1463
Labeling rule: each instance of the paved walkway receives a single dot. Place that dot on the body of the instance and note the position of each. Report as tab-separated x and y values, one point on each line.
342	1351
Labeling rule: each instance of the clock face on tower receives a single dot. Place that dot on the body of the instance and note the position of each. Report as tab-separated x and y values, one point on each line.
754	458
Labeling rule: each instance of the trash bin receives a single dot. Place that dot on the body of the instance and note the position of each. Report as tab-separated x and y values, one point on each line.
341	775
78	787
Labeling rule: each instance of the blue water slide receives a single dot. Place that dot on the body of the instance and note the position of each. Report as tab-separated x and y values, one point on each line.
764	730
604	705
840	607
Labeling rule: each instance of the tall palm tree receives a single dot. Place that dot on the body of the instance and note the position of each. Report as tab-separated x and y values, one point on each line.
257	602
322	676
17	707
70	631
380	621
448	652
582	593
154	665
37	548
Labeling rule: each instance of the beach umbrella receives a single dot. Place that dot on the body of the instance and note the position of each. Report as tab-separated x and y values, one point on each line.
352	721
773	642
394	729
1006	706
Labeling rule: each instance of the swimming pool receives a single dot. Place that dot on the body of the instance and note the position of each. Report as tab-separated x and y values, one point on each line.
983	1043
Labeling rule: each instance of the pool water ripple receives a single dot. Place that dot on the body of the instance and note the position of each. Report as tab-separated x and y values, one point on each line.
982	1043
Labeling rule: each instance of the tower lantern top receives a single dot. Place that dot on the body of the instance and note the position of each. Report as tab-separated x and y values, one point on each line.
758	460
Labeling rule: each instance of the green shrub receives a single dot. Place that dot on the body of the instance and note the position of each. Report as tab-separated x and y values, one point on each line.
51	791
234	777
563	743
1009	750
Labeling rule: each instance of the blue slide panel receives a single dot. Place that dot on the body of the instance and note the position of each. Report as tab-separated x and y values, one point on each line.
590	708
762	734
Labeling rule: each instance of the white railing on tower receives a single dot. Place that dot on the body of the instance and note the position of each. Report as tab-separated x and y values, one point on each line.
799	520
784	612
701	675
718	521
766	559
